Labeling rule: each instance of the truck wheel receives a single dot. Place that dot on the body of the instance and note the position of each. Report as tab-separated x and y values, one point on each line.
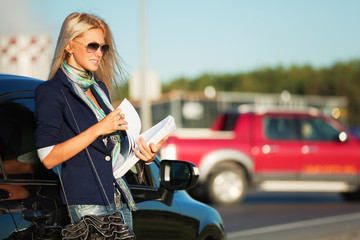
227	184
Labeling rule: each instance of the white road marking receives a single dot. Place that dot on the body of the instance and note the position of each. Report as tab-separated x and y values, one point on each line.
294	225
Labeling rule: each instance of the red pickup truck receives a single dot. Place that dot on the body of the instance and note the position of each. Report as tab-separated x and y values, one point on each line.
279	150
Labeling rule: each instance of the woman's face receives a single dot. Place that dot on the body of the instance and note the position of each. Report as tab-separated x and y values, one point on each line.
81	58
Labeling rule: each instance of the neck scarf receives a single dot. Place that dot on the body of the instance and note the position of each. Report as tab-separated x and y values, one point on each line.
81	82
83	79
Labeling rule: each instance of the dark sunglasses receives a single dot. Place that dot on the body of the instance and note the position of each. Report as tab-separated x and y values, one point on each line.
93	47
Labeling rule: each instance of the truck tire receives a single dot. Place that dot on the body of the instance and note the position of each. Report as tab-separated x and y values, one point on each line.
227	184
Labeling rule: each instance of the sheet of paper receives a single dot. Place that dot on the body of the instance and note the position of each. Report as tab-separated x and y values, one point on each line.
152	135
132	117
160	130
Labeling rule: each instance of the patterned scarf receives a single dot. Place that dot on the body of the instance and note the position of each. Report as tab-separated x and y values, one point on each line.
83	79
81	82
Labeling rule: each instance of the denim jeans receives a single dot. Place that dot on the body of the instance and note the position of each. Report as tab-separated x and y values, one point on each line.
79	211
127	214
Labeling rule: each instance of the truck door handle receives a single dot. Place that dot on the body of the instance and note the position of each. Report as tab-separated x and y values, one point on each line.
306	149
32	215
269	149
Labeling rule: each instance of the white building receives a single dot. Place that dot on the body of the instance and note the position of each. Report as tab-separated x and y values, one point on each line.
26	55
152	86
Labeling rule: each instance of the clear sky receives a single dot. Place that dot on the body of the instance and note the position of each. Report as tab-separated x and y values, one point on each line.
192	37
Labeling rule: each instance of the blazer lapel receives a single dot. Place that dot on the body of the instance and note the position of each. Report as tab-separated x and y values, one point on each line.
100	100
86	115
104	107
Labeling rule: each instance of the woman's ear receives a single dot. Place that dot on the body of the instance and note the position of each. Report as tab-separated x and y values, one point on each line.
68	48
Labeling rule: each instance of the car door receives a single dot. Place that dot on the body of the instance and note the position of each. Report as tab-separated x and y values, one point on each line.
278	154
29	193
159	215
325	156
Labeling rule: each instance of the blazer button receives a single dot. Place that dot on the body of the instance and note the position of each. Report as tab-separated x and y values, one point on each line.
107	158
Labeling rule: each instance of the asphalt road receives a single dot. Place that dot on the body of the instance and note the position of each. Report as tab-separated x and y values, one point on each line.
295	216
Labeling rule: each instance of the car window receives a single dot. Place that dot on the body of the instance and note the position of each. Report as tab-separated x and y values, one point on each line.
279	128
155	172
318	130
144	175
17	144
135	176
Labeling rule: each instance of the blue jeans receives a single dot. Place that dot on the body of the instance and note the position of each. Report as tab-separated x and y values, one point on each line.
79	211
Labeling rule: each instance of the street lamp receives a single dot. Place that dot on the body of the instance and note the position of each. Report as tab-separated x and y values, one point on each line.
145	107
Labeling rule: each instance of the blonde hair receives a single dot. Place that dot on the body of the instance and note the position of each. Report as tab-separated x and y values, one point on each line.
76	24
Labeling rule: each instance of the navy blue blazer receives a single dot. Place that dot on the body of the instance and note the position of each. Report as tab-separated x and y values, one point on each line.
55	125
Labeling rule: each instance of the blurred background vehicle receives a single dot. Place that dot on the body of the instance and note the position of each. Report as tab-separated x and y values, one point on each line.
278	149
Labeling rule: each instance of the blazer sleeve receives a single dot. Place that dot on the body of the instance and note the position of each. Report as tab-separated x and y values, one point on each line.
48	115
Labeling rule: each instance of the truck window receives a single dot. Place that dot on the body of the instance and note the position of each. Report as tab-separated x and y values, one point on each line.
229	121
318	130
279	128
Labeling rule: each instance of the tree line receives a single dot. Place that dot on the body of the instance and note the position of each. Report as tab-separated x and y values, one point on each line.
339	79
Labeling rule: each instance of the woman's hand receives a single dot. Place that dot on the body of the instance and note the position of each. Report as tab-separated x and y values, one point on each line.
112	122
63	151
147	152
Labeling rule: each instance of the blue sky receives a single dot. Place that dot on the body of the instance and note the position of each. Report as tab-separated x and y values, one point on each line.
189	37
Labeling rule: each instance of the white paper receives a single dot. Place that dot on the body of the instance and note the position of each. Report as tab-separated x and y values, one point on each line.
152	135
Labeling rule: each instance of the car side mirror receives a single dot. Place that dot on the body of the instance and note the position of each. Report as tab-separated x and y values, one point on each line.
178	175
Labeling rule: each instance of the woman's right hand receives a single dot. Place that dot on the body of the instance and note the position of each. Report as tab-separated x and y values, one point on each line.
63	151
112	122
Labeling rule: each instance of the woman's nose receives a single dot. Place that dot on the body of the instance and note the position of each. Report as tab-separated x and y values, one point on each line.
99	52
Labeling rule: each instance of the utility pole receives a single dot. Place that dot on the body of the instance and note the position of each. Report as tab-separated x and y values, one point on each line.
145	107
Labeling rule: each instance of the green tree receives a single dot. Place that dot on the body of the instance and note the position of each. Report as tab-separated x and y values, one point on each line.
340	79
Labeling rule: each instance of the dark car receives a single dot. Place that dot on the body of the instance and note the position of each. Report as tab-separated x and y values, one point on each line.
30	198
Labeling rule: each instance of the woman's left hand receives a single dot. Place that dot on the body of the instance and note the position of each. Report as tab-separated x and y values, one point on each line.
147	153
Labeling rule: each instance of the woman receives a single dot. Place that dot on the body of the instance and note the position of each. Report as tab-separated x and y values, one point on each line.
76	99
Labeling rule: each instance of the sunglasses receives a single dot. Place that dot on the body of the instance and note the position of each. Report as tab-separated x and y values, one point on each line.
93	47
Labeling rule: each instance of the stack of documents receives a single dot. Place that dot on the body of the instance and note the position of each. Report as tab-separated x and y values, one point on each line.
152	135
